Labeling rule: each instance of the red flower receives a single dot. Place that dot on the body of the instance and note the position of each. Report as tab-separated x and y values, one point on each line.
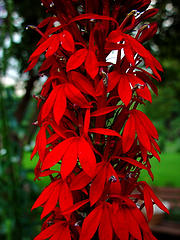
93	142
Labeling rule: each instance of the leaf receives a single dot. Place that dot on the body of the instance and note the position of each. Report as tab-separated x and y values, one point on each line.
56	154
124	89
67	41
77	59
69	159
86	157
105	131
128	134
91	223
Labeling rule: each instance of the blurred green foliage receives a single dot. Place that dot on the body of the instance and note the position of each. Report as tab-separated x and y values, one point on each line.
18	191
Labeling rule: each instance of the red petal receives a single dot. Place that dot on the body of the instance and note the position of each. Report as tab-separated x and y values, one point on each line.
67	41
86	157
156	199
105	228
75	207
44	22
115	36
93	16
141	131
124	89
91	223
56	154
42	141
82	83
59	105
97	186
103	111
142	223
133	162
133	226
147	14
43	197
69	159
65	197
86	122
145	93
115	187
32	64
105	131
48	232
129	54
53	47
80	181
128	134
113	79
49	103
148	125
77	59
91	64
66	235
42	47
51	202
119	224
148	204
75	96
148	32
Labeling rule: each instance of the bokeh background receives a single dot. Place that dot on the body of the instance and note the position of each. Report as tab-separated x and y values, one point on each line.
18	111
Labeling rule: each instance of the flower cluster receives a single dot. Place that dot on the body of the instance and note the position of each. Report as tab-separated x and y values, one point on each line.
93	142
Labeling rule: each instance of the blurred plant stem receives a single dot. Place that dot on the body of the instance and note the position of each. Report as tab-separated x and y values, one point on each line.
10	172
